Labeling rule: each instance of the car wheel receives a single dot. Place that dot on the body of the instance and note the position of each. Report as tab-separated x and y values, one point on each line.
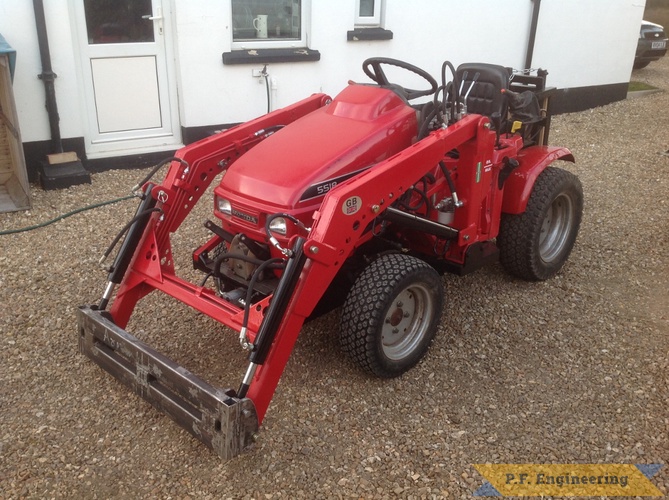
535	245
391	314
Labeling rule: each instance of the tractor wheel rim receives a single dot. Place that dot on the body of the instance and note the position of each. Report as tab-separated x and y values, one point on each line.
407	321
556	228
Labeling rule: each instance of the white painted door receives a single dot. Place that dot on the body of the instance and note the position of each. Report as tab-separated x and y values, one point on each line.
130	101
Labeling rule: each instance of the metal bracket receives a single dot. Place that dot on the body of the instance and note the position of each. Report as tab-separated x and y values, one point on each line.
225	423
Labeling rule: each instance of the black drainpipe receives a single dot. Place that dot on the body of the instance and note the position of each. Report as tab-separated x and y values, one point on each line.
533	33
48	77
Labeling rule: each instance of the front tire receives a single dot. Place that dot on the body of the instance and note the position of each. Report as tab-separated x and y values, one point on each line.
535	245
391	314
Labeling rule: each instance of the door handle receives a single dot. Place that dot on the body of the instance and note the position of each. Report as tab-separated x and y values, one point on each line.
158	17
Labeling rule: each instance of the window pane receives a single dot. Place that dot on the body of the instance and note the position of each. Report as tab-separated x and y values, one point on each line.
366	8
118	21
266	19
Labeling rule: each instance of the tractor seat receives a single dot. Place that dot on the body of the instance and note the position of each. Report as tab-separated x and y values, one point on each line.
486	96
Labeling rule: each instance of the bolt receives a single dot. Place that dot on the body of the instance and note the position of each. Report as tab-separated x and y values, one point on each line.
395	330
375	209
400	303
466	237
313	249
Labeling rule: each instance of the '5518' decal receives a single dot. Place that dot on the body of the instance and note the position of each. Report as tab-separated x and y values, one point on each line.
323	187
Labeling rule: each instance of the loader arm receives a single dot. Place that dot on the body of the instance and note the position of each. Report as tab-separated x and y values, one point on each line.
339	225
184	184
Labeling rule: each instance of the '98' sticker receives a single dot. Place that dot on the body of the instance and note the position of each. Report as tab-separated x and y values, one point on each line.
351	205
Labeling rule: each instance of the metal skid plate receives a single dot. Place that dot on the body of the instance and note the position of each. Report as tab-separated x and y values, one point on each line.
223	422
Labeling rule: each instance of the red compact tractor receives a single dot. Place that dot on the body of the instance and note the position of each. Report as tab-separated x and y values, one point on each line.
361	201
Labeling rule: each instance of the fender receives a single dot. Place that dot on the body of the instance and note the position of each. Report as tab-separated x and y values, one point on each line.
533	161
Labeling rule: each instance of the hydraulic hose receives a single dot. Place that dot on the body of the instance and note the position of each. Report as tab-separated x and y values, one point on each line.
279	304
125	230
456	202
455	98
275	263
155	169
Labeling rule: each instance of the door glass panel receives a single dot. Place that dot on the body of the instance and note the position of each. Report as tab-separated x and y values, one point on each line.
118	21
266	19
366	8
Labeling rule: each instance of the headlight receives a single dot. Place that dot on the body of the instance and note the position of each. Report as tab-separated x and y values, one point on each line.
278	225
223	206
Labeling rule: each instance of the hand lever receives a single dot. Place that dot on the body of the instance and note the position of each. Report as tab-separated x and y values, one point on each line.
496	119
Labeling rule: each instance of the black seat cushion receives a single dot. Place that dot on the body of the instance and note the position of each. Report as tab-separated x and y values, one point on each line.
486	96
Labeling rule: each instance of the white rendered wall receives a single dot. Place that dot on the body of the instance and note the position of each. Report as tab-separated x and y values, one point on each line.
588	42
580	42
17	24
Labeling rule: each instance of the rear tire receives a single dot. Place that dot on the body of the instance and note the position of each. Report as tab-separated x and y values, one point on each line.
391	314
535	245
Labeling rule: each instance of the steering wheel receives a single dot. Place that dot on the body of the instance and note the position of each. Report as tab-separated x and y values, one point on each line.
372	68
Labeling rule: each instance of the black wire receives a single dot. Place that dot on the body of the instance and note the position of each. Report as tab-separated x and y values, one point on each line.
404	202
68	214
423	200
97	205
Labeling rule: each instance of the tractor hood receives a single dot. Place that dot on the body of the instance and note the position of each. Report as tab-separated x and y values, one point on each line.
295	167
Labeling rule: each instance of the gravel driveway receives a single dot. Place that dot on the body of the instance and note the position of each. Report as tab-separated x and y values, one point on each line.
571	370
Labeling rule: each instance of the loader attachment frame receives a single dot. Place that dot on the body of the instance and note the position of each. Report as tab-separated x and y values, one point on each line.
223	422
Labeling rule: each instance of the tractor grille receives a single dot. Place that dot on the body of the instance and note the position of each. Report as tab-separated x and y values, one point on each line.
246	215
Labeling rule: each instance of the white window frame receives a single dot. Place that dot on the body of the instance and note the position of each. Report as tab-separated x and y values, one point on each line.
373	20
302	42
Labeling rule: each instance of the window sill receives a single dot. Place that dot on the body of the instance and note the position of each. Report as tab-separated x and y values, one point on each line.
255	56
364	34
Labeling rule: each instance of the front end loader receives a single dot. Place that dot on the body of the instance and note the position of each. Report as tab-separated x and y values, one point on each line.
359	202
